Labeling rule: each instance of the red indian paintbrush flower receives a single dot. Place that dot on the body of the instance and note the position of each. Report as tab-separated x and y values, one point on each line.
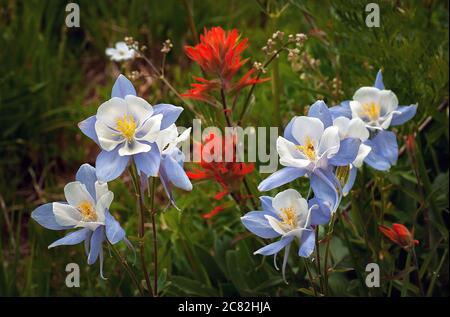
228	175
400	235
219	56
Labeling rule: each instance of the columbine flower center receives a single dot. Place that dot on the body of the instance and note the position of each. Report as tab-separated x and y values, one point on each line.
372	110
87	210
308	149
288	217
127	127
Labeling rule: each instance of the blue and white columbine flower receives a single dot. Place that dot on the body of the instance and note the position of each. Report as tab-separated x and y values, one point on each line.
127	127
86	207
172	159
288	216
379	110
311	146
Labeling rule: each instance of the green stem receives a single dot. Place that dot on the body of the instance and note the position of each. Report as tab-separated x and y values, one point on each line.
252	88
141	226
436	273
276	93
310	277
416	264
190	18
224	105
404	291
155	241
327	251
319	269
127	268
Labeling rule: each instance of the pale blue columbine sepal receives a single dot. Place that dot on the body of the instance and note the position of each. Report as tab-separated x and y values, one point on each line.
321	211
403	114
379	81
348	150
308	241
110	165
281	177
122	87
320	111
341	110
326	188
384	151
171	172
170	114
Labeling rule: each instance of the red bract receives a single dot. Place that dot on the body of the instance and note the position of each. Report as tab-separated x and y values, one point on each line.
228	175
219	56
400	235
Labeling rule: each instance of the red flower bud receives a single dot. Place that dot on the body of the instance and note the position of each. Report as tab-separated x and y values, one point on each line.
400	235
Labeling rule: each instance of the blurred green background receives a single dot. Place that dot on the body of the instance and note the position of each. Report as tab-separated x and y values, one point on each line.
53	77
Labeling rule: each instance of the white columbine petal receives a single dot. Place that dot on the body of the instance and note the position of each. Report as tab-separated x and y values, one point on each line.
107	137
289	198
101	188
103	203
363	151
112	110
168	139
138	108
133	147
66	215
365	95
357	129
91	225
290	155
76	193
150	129
275	224
304	128
329	142
388	102
386	121
351	128
342	123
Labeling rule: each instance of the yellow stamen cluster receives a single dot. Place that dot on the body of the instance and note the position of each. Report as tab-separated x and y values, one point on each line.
127	127
371	110
289	217
87	210
308	149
